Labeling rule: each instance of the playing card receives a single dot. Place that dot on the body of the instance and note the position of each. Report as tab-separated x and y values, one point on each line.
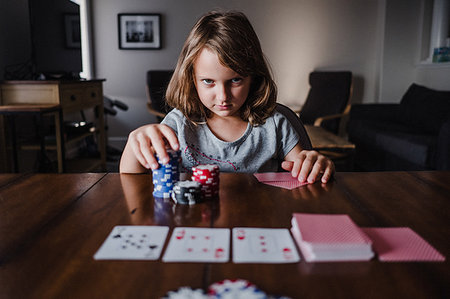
274	176
279	179
394	244
189	244
263	245
133	243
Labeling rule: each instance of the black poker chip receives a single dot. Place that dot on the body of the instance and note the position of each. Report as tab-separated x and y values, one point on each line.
187	192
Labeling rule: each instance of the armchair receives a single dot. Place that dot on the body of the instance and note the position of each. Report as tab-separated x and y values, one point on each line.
328	99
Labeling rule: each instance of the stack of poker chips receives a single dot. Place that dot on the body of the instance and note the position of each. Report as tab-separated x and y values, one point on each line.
208	176
166	175
187	192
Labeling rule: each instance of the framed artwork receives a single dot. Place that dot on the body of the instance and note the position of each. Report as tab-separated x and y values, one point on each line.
139	31
72	31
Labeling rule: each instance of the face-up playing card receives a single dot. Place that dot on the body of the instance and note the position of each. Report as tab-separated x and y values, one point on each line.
263	245
189	244
133	243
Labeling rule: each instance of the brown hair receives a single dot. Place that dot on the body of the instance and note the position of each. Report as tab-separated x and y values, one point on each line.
231	36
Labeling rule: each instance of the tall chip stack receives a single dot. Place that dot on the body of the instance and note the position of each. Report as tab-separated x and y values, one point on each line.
208	176
166	175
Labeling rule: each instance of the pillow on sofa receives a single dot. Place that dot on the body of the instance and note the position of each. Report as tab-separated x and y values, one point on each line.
424	108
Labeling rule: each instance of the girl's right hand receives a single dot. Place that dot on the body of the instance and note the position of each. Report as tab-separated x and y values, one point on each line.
142	145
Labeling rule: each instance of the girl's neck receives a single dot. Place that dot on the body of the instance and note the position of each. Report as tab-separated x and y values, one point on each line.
227	128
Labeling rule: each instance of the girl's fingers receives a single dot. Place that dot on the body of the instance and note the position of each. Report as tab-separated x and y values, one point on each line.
328	172
136	148
170	136
317	167
298	164
287	165
306	167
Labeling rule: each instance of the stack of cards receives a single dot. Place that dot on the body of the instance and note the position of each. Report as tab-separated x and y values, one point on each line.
330	238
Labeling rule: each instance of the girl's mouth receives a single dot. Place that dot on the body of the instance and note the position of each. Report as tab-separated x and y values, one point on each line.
224	107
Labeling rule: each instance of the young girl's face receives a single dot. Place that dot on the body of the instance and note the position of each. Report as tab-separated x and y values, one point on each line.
220	89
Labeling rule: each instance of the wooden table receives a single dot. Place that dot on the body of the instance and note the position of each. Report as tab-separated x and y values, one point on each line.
52	224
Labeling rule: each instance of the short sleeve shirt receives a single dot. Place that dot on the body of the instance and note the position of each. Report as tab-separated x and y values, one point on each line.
260	149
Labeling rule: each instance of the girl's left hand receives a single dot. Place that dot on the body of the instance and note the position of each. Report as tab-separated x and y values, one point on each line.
308	166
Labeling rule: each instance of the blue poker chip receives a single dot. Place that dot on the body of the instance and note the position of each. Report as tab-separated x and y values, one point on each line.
166	175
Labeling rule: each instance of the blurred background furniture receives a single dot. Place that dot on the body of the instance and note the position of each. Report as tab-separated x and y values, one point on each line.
296	122
338	149
157	82
10	112
328	99
411	135
112	154
67	96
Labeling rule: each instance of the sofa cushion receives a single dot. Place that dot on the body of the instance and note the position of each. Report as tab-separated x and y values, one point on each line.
396	139
414	148
425	109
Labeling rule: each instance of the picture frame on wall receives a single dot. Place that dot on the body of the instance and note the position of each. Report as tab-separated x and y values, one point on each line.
72	31
139	31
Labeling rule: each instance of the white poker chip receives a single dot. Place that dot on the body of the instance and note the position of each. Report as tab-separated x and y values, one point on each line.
186	293
235	289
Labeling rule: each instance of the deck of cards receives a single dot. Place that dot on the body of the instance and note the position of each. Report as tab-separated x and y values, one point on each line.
330	238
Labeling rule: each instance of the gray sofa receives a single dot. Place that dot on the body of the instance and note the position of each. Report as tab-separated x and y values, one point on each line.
411	135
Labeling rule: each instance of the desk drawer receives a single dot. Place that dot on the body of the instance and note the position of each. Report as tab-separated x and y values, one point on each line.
93	95
72	98
30	94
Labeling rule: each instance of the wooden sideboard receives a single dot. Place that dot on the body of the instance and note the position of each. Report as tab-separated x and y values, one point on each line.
24	97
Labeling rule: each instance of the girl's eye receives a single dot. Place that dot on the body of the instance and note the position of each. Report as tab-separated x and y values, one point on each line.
207	81
236	80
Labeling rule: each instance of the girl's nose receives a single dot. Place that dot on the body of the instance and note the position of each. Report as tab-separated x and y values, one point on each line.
222	93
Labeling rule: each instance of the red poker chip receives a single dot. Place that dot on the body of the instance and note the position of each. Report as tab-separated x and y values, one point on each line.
208	176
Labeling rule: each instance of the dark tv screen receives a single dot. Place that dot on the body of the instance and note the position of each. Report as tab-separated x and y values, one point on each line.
55	33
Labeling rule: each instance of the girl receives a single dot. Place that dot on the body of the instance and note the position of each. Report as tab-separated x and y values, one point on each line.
224	101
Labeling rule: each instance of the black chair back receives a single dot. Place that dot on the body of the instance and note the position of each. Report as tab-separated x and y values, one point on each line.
329	94
295	121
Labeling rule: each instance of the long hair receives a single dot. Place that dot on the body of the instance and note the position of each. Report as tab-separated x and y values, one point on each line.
231	36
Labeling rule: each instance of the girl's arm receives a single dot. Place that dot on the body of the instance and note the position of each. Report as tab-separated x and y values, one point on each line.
307	166
142	145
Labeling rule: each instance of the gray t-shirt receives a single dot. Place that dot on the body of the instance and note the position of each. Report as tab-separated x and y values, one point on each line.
259	149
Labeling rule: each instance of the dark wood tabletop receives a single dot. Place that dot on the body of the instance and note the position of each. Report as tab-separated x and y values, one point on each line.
51	225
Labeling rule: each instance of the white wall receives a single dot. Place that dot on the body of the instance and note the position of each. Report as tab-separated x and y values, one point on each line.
296	36
402	54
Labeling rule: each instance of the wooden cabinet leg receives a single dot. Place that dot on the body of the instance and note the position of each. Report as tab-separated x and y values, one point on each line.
60	148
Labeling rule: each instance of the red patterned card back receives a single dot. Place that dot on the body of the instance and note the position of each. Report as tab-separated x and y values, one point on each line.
401	244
